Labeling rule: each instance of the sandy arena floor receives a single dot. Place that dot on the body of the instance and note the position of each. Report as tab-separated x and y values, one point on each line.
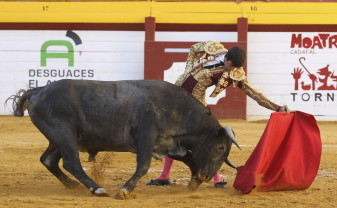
25	182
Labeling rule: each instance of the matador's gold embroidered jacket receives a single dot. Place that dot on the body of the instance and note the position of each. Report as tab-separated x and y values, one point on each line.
200	73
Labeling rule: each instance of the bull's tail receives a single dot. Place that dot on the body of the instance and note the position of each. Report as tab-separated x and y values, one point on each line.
20	100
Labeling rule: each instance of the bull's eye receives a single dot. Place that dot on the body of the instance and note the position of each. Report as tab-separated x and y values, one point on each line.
221	148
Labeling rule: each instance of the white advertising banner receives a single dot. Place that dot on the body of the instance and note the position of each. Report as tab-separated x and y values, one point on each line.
290	68
294	68
30	59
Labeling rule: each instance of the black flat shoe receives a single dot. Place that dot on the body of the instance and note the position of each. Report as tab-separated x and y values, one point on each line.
159	182
221	184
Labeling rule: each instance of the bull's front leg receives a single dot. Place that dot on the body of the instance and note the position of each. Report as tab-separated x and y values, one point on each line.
144	140
143	165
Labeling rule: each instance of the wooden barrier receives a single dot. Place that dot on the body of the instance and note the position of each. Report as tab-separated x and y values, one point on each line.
157	61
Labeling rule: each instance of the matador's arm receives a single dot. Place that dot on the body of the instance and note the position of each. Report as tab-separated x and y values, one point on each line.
199	54
258	96
193	54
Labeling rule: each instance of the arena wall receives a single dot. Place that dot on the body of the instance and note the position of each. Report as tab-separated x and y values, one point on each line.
282	41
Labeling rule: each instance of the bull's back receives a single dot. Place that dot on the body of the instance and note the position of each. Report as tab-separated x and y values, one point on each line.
103	111
99	97
117	99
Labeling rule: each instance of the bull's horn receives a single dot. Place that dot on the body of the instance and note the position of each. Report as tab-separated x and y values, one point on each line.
230	164
231	135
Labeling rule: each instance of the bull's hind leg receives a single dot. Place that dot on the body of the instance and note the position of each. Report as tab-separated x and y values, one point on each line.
50	159
72	164
64	139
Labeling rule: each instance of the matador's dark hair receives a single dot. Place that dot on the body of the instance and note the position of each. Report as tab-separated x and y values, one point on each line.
237	56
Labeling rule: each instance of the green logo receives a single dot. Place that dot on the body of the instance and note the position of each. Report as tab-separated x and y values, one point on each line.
68	55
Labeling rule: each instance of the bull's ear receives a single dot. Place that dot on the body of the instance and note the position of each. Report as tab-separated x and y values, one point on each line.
221	131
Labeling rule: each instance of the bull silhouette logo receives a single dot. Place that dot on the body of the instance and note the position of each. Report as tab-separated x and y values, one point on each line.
323	73
65	55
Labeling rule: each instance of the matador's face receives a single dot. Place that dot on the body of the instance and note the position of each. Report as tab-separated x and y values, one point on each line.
228	64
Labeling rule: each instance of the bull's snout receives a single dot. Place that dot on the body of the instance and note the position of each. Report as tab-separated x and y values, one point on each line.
194	183
197	180
203	177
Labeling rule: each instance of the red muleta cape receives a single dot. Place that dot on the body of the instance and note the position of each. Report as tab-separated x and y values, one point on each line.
287	156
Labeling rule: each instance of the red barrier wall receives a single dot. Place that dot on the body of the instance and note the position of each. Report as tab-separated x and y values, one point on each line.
157	61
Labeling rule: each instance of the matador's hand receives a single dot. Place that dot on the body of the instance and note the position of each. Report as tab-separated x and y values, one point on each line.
283	109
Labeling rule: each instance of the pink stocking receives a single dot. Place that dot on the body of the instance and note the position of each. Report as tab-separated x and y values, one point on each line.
165	174
217	178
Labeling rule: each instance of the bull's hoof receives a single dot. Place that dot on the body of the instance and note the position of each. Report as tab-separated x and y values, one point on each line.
101	192
124	195
194	184
159	182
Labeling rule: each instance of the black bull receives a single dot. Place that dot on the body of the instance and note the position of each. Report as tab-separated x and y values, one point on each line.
149	117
